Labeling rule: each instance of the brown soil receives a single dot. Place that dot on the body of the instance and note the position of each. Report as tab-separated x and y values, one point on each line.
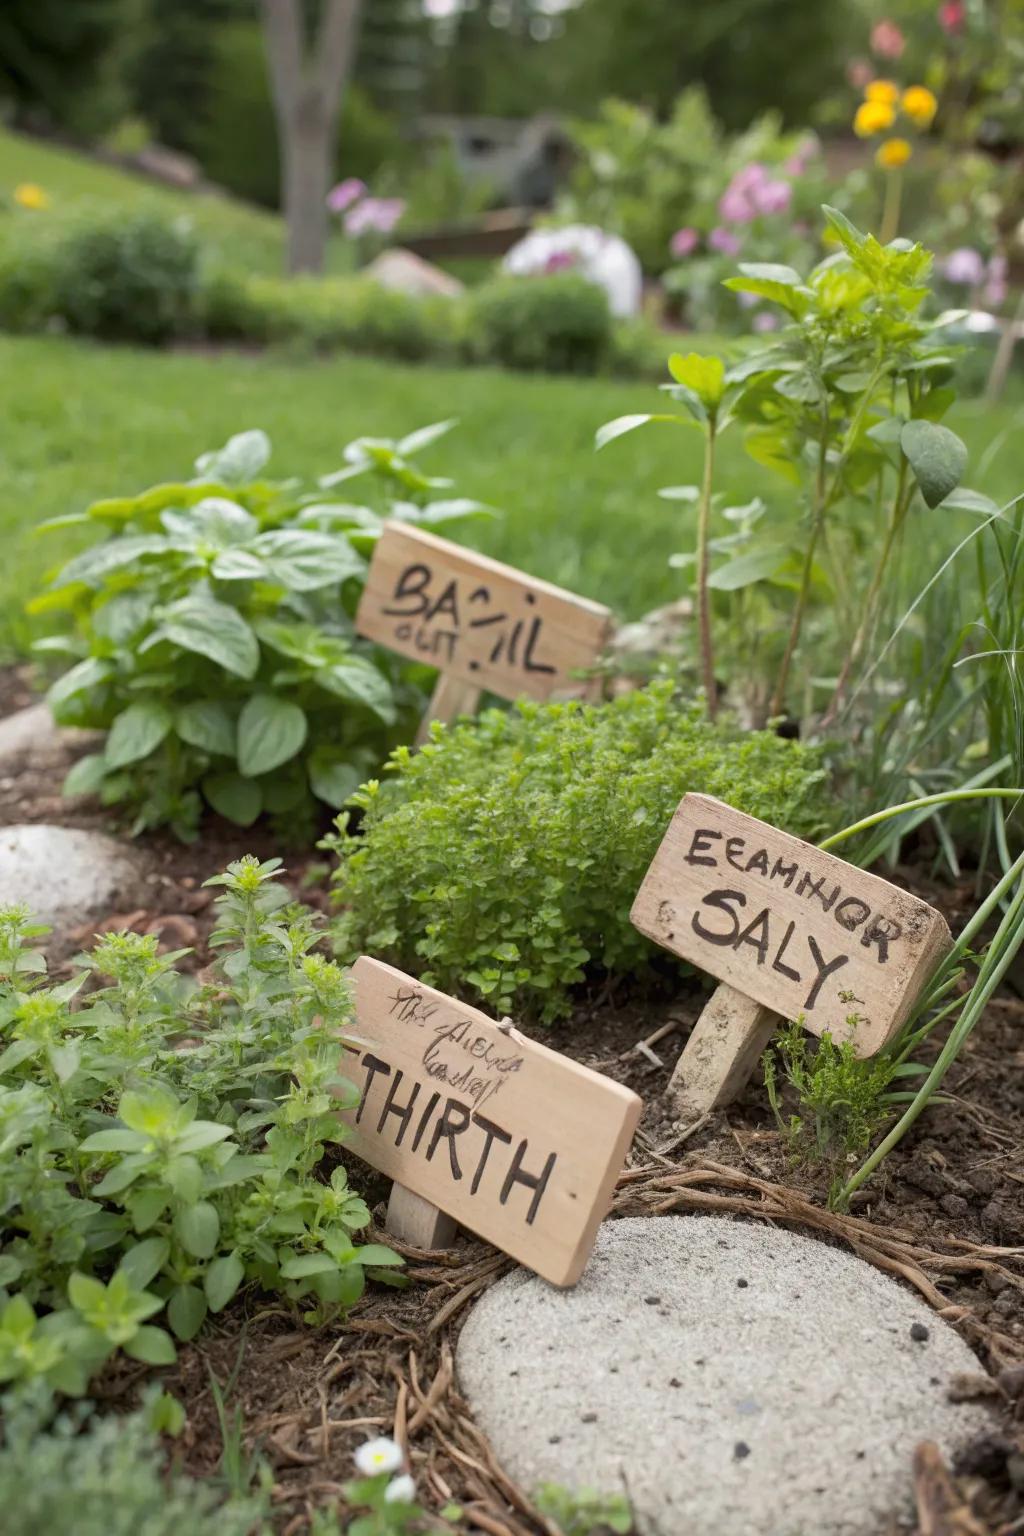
945	1215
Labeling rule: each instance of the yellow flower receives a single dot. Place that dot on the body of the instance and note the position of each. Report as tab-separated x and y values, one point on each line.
28	195
884	91
893	153
920	105
873	117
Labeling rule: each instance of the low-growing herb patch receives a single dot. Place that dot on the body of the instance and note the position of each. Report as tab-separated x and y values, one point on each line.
160	1149
503	858
213	640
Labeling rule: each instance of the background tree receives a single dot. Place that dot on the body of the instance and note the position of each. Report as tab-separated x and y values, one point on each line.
58	61
309	60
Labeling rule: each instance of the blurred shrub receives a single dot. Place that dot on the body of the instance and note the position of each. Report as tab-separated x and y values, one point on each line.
133	278
558	324
27	279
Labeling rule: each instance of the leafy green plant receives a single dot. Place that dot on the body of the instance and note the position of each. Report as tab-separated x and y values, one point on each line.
585	1512
841	1097
162	1147
558	324
501	860
213	636
134	277
80	1474
845	404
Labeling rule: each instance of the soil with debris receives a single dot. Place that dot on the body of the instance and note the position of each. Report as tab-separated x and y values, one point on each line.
945	1214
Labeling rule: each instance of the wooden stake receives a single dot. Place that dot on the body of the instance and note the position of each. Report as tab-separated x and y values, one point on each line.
724	1047
416	1222
451	698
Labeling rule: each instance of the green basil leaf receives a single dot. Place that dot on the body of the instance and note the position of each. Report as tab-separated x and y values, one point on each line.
186	1311
332	777
137	731
222	1280
236	799
270	731
208	628
197	1228
208	725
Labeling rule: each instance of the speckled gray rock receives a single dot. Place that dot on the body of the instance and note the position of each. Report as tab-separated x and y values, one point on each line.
25	731
739	1380
66	876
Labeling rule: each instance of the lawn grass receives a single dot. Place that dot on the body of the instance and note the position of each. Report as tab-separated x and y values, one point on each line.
251	238
84	421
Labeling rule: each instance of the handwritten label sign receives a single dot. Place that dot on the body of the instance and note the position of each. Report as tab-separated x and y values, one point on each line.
798	931
479	621
518	1143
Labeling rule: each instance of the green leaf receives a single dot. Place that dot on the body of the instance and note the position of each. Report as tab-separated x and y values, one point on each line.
94	565
937	457
793	300
115	1141
332	777
302	560
208	628
236	799
704	376
222	1280
208	725
623	424
302	1265
416	441
376	1254
186	1312
357	679
747	569
197	1228
771	272
145	1260
137	731
240	460
270	731
152	1346
86	776
79	679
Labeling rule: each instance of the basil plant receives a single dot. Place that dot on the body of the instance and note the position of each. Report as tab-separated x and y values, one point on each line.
211	636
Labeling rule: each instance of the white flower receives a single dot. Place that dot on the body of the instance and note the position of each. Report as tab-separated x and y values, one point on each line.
400	1490
380	1455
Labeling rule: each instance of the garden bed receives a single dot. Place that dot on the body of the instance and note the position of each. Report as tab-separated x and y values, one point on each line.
949	1195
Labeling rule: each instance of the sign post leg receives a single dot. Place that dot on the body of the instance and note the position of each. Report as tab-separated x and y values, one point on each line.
451	698
416	1222
724	1048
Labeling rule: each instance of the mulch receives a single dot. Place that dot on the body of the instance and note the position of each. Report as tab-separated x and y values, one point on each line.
944	1215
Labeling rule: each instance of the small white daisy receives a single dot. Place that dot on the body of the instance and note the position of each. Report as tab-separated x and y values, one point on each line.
381	1455
400	1490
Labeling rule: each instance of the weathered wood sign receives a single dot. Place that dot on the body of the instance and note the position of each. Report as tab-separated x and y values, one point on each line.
791	930
514	1141
484	625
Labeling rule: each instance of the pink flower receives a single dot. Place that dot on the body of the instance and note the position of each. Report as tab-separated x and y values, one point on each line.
995	290
860	72
558	261
887	41
764	320
725	241
772	197
377	213
684	242
735	207
345	194
952	15
965	266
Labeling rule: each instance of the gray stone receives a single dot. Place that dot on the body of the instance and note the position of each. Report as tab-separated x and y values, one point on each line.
405	272
66	876
26	730
736	1379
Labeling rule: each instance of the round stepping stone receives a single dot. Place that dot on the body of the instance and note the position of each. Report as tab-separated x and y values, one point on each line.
733	1379
65	876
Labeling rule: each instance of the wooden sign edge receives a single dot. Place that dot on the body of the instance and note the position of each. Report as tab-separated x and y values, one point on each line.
938	944
632	1108
495	567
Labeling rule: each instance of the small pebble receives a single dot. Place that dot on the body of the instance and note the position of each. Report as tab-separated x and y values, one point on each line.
742	1284
652	1301
588	1418
918	1332
741	1450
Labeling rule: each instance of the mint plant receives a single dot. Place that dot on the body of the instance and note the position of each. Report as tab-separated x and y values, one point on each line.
501	860
212	636
162	1146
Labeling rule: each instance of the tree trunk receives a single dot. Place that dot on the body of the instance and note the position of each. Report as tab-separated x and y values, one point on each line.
307	83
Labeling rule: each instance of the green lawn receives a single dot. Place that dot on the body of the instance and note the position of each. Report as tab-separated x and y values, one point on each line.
84	421
251	237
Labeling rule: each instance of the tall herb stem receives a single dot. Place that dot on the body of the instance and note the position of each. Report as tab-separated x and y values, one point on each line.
707	658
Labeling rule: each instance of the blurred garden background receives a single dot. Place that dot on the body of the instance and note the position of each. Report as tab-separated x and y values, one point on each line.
340	220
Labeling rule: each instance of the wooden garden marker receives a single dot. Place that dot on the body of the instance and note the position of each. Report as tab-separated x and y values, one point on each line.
486	626
791	931
512	1140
